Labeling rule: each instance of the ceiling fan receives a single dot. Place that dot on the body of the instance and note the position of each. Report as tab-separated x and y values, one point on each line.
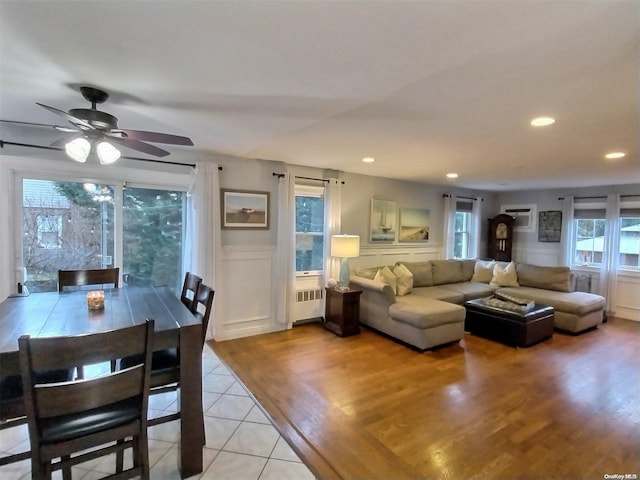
91	126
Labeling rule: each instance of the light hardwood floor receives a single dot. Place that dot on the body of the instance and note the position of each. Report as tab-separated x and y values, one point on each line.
365	407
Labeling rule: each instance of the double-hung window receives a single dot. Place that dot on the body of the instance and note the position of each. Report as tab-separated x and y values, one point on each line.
309	229
589	220
629	235
463	228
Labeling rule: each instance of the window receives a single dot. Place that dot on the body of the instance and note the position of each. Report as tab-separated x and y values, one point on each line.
590	234
462	228
629	235
589	222
71	225
309	229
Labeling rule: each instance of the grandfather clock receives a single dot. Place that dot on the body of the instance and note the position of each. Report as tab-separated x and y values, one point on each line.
500	237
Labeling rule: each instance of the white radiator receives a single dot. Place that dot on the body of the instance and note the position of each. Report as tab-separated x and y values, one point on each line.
309	304
583	282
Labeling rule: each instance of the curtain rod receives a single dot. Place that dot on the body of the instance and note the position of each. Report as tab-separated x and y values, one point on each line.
599	196
324	180
59	149
465	198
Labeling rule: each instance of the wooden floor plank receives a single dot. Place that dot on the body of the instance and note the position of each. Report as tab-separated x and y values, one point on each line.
365	407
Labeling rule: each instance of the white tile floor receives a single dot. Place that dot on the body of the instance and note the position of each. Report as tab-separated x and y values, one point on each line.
242	444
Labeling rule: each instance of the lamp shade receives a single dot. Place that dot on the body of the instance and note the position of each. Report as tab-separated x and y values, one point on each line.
107	153
345	246
78	149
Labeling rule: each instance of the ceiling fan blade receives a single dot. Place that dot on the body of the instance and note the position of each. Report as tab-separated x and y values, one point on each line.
46	125
61	142
71	118
156	137
140	146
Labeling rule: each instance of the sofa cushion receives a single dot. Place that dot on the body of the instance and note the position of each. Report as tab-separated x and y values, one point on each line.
504	276
369	273
425	312
470	290
549	278
483	271
438	293
576	303
404	280
421	272
451	271
385	275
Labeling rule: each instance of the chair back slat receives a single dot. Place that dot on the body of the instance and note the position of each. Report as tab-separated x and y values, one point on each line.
79	278
203	304
190	289
79	396
53	353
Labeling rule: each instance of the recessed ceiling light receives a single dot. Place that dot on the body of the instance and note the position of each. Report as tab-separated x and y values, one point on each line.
452	175
542	121
614	155
368	159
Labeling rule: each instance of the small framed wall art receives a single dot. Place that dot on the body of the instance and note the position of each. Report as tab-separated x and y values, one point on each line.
550	226
244	209
383	221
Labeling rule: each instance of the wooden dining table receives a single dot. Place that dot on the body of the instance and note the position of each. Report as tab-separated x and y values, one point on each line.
54	314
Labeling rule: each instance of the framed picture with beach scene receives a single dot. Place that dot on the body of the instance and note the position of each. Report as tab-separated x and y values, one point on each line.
383	221
244	209
414	225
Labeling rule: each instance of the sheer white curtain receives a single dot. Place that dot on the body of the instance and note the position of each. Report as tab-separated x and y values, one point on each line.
450	203
286	252
610	253
202	240
567	234
476	226
332	224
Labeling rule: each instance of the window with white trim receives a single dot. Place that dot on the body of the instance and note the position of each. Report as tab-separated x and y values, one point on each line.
462	228
309	229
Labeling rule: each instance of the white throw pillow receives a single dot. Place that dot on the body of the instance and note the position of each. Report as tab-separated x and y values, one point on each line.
385	275
505	276
404	280
483	271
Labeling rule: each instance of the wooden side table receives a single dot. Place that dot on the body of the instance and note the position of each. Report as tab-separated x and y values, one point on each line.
342	311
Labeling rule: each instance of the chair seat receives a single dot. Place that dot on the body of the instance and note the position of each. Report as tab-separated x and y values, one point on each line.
68	427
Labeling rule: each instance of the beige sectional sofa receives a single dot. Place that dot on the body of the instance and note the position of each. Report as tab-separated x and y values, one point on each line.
423	307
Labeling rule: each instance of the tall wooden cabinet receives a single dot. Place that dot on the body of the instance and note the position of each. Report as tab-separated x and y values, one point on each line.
500	237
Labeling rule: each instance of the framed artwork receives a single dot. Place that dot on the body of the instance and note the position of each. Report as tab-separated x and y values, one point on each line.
244	209
414	225
550	226
383	221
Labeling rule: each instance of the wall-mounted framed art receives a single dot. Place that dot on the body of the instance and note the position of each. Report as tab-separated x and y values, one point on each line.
244	209
383	221
414	225
550	226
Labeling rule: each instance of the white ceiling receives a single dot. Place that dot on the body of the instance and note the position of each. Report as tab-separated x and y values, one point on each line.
425	87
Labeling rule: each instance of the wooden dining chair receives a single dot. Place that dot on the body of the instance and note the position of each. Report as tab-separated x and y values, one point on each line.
165	364
189	289
79	278
12	411
68	420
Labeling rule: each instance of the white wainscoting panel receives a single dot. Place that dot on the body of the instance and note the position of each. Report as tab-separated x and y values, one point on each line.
549	258
375	256
627	298
245	295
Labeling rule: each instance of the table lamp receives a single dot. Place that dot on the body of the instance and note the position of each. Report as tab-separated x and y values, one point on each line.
345	247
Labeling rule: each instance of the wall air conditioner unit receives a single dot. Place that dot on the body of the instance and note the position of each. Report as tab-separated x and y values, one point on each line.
525	216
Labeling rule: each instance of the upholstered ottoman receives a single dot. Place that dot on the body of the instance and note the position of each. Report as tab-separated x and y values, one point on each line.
426	323
510	327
